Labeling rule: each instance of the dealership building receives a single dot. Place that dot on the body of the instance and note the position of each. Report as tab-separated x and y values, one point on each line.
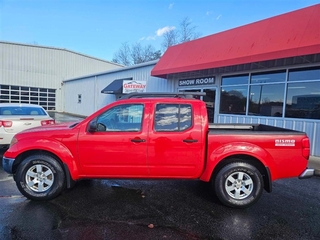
35	74
265	72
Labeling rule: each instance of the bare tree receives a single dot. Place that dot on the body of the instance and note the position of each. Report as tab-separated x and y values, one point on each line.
170	39
185	33
136	54
150	53
187	30
122	56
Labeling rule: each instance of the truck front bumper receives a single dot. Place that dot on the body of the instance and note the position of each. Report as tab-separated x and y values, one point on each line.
7	164
308	173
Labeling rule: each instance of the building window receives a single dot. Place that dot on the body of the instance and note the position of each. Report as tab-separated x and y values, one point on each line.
233	98
267	99
79	98
31	95
305	74
172	117
273	93
235	80
269	77
303	94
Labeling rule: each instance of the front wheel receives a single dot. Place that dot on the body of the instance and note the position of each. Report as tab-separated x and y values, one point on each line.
40	177
238	185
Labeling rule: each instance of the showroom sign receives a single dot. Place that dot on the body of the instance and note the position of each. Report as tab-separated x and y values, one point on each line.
134	86
196	81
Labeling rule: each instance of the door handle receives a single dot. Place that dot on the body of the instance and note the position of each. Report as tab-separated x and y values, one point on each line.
190	140
138	140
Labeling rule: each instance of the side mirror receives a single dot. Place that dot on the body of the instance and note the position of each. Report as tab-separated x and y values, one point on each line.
92	126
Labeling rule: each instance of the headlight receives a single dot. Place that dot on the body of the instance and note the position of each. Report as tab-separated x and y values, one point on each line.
13	141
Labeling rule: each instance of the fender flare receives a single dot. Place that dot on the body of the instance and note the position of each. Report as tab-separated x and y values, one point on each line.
54	147
235	149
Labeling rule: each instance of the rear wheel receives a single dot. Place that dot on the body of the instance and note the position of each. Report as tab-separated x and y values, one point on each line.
238	185
40	177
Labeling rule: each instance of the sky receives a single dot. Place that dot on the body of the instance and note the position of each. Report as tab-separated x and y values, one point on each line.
98	28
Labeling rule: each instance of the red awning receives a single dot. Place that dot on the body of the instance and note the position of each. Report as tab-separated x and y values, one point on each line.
292	34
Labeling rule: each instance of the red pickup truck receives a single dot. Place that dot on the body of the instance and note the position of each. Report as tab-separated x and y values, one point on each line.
157	136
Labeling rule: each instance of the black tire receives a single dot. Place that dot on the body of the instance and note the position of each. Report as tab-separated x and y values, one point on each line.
40	177
238	185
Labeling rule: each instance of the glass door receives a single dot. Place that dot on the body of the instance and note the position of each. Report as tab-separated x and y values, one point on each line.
191	90
210	100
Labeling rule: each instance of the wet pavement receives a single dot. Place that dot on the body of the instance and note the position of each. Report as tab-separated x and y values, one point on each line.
124	209
172	209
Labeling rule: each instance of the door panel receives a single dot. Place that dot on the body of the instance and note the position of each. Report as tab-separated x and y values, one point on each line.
175	147
119	146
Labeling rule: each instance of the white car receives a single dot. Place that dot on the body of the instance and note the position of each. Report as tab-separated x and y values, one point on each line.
16	117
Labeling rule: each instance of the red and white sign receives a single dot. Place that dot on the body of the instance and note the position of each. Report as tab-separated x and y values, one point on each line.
130	86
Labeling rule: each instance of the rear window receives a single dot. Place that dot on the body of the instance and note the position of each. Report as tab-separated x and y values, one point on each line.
22	111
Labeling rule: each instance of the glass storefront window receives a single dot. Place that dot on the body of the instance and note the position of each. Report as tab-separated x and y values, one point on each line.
304	74
268	77
267	91
303	100
233	100
235	80
266	100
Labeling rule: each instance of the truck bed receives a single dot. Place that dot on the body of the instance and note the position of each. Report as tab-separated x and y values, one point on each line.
250	128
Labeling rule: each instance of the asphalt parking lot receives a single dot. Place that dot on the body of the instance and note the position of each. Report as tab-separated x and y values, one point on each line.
172	209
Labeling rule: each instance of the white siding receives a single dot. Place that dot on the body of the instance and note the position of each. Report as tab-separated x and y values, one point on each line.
86	88
90	87
37	66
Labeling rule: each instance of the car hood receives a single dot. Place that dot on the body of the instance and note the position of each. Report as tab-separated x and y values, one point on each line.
52	127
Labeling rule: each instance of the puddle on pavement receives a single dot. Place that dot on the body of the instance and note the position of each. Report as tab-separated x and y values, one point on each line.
128	191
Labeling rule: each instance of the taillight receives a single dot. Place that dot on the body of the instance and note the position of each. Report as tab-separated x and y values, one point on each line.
47	122
5	124
306	148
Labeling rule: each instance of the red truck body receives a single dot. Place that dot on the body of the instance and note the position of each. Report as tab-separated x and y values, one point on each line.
157	138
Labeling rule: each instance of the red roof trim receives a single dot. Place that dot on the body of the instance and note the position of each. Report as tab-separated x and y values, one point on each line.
292	34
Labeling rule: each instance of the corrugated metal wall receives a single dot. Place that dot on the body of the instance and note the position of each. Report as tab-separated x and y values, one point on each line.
90	88
311	127
37	66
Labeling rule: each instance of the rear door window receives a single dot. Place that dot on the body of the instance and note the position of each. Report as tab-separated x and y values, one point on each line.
173	117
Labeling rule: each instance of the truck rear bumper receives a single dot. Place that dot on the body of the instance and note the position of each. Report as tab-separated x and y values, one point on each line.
308	173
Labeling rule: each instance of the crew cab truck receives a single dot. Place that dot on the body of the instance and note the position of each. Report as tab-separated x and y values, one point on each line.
157	136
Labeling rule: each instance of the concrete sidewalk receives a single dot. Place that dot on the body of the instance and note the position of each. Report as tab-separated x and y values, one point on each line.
314	162
65	117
